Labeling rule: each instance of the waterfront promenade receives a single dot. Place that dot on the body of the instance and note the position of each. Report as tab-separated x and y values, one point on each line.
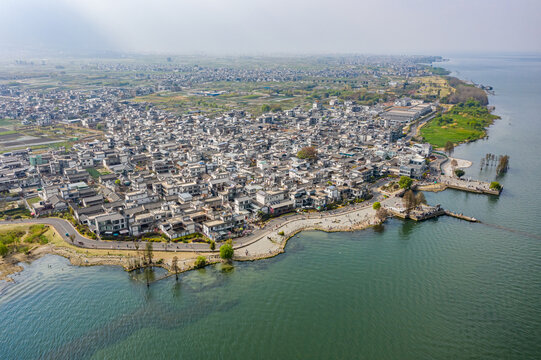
469	185
259	243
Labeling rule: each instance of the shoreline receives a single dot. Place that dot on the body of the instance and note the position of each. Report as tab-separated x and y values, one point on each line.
268	245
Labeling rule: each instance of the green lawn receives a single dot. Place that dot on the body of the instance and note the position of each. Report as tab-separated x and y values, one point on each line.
464	122
33	200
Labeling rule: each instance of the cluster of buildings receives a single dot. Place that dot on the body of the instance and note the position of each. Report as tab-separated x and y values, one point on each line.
178	73
73	106
179	175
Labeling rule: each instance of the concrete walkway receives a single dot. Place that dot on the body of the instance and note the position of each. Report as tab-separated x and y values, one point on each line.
261	241
447	168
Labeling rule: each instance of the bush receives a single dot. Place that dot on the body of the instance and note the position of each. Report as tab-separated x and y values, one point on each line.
281	233
11	236
459	173
495	185
200	262
226	251
3	249
376	206
212	245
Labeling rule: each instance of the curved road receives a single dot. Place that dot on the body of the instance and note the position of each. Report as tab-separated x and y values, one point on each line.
64	227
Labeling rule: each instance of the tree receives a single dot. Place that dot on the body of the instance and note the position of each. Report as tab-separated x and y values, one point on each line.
3	249
405	182
382	214
449	147
117	182
200	262
148	250
503	165
420	199
459	173
265	108
308	152
409	201
212	245
376	206
495	186
226	251
174	266
147	276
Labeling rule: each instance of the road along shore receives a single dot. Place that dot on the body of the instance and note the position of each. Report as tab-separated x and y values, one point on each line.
267	242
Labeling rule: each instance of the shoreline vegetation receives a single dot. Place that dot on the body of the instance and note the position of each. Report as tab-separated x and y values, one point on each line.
465	116
271	244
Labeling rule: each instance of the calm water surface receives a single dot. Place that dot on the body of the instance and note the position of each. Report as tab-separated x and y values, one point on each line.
443	289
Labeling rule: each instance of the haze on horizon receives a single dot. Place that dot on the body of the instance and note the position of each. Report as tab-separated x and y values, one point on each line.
268	27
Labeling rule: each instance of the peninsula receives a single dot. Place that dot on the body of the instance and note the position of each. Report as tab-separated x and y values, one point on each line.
193	156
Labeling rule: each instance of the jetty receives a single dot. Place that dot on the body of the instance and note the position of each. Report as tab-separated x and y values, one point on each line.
422	212
461	216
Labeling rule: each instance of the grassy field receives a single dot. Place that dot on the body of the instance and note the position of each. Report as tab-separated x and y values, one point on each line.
33	200
250	100
22	237
464	122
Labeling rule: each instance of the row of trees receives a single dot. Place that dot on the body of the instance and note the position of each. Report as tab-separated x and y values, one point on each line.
491	160
465	92
226	253
411	201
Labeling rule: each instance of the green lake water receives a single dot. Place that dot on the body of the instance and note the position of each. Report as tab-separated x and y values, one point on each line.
442	289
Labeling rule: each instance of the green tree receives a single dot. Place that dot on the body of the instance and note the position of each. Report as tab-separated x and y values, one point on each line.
3	249
200	262
265	108
495	185
117	181
459	173
212	245
226	251
376	206
405	182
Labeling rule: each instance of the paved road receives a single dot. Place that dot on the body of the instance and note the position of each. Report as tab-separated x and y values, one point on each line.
66	230
416	125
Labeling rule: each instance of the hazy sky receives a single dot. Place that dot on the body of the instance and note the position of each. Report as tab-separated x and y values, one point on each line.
272	26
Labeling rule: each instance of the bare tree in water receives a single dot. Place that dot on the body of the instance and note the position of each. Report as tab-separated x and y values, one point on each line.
148	252
174	266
